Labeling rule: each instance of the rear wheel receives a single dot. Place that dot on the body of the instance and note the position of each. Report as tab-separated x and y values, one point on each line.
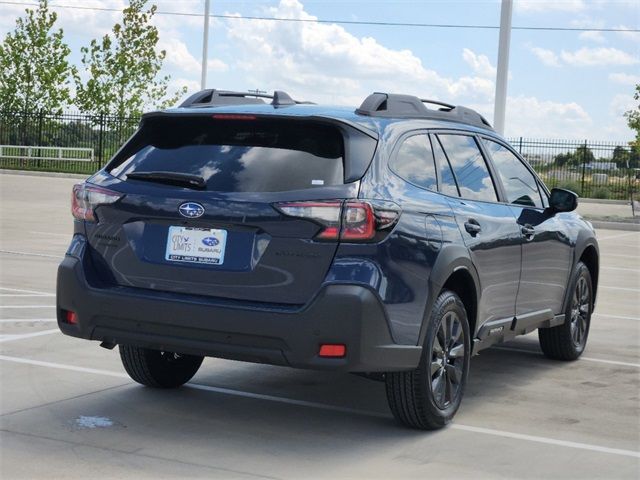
428	397
155	368
568	341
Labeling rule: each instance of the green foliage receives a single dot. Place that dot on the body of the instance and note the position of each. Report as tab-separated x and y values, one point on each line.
633	117
601	193
35	74
582	155
123	68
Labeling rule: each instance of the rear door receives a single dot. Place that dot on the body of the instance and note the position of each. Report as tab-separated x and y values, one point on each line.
225	240
546	249
487	226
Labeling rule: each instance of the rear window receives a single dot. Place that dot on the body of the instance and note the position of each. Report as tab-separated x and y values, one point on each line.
237	155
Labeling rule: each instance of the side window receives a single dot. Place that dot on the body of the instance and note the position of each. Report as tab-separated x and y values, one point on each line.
447	181
519	183
414	162
469	167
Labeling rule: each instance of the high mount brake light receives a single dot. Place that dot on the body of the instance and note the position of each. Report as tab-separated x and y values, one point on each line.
85	198
232	116
350	220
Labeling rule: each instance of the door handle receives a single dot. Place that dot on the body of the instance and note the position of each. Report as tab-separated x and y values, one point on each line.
528	231
472	227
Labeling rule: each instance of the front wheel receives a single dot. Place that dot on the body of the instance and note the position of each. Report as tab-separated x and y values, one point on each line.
428	397
568	341
155	368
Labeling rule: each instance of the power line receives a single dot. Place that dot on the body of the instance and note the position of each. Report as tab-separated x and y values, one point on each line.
345	22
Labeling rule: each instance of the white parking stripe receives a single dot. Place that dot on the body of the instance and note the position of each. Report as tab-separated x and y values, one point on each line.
12	337
588	359
31	254
304	403
26	320
624	289
11	295
621	317
27	306
44	294
617	236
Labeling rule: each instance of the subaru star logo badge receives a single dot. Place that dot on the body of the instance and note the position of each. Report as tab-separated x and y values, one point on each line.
191	210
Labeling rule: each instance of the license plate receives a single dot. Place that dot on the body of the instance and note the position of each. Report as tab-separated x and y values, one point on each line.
196	245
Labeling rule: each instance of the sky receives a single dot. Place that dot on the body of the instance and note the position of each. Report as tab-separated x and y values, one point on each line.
562	84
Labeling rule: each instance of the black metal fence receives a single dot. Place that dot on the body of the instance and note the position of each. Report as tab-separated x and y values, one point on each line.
605	170
77	143
69	142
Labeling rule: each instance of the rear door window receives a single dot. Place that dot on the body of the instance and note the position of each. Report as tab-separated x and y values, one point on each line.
519	183
447	180
469	167
414	162
238	155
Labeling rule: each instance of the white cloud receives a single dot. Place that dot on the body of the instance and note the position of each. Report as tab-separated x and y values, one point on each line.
531	117
592	36
624	78
633	36
585	57
178	56
323	61
479	63
547	57
600	56
543	6
216	65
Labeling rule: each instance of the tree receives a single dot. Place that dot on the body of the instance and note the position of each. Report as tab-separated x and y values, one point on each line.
123	68
34	71
633	116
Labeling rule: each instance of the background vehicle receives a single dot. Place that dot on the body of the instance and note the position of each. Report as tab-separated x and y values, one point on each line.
392	239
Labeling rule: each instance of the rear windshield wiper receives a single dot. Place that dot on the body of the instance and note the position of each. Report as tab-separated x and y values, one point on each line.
171	178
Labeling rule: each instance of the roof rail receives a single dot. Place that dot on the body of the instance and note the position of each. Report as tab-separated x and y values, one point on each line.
214	98
392	105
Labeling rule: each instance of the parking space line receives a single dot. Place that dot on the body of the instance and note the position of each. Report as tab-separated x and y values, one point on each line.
27	306
22	336
13	295
588	359
624	289
621	317
25	320
617	236
31	254
322	406
44	294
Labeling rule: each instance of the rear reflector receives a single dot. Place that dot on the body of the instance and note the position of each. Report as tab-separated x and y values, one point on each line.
332	350
70	317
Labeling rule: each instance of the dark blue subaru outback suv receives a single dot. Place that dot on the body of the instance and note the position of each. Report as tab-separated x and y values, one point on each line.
393	240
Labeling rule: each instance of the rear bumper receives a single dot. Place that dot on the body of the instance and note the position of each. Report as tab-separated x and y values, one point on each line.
348	314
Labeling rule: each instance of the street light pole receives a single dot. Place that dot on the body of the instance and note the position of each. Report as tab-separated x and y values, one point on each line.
205	45
503	66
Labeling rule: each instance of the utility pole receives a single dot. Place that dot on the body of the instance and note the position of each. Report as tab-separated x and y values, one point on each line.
205	45
503	66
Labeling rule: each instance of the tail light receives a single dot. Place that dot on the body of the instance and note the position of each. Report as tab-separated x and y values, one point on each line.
85	198
350	220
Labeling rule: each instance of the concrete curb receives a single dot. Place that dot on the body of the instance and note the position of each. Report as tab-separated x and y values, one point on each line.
33	173
604	201
632	227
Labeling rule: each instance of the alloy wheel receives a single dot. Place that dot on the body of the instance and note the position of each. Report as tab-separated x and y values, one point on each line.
447	360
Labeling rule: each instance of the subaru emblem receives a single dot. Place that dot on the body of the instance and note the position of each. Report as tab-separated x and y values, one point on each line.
191	210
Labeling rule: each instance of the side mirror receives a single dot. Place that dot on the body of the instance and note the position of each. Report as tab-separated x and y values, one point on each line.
562	200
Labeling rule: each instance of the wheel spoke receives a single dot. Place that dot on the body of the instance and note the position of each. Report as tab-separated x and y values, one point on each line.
455	373
437	346
435	367
448	389
438	387
457	351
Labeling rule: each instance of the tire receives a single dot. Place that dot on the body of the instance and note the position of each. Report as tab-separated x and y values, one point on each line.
568	341
154	368
416	397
